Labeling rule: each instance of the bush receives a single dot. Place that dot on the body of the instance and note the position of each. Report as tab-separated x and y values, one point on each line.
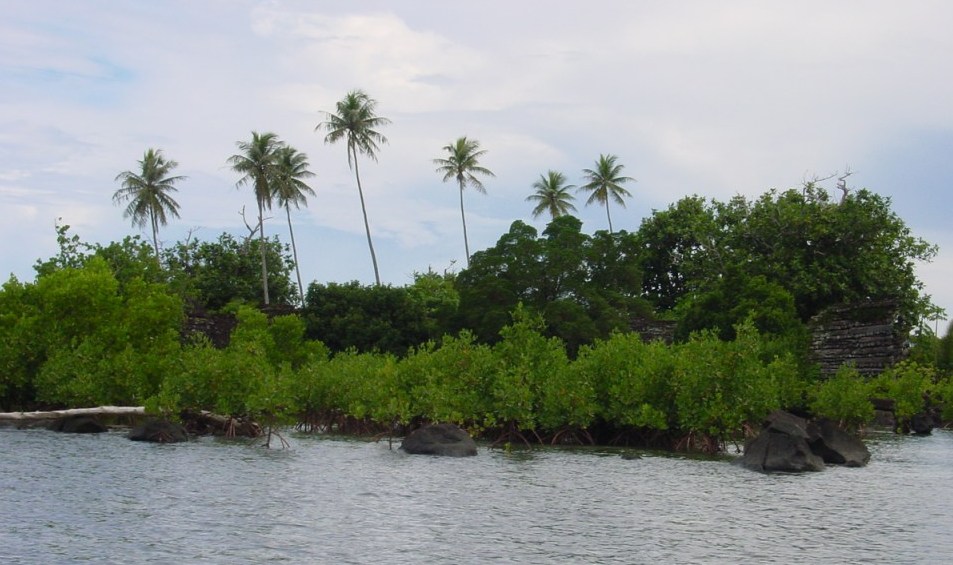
845	398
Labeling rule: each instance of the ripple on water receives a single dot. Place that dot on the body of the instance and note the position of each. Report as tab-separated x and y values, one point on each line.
106	499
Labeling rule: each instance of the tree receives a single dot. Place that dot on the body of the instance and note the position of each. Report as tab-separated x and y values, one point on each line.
605	183
290	167
552	195
256	164
148	193
355	122
462	163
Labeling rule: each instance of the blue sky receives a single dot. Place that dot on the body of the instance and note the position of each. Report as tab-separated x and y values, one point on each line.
705	98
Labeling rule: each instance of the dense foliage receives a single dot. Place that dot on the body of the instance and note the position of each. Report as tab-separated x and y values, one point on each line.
532	342
583	286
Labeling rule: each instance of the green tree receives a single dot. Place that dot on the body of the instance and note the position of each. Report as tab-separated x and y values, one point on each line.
256	163
678	250
605	183
355	123
583	286
463	164
148	193
552	195
214	273
377	318
291	166
827	253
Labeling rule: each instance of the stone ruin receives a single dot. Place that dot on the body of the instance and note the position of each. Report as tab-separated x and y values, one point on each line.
864	335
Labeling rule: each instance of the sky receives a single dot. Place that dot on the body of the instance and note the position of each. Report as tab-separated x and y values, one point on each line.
694	97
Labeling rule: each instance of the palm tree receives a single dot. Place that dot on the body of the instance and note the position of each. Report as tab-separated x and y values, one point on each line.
605	182
148	193
462	163
552	195
290	167
256	164
354	122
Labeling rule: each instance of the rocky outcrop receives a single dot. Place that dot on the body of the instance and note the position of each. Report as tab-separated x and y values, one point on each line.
159	431
439	439
792	444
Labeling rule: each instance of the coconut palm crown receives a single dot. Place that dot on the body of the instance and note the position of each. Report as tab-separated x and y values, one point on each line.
552	195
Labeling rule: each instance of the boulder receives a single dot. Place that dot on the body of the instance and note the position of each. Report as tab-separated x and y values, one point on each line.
773	451
77	425
922	424
836	446
790	443
159	431
439	439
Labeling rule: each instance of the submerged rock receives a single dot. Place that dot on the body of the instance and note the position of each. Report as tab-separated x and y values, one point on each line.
439	439
159	431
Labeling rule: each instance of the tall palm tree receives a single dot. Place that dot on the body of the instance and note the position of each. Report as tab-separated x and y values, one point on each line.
148	193
256	164
463	163
355	121
291	166
552	195
605	183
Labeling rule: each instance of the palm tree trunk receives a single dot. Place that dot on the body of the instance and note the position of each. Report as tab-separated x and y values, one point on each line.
294	253
466	244
264	264
367	226
155	233
608	217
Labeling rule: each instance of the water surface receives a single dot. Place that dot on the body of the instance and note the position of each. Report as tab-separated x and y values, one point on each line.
105	499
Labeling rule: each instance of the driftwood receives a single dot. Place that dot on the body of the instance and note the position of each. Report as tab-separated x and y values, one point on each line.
209	422
197	422
53	414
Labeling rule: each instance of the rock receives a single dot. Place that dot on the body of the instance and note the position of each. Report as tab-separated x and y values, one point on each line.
922	424
77	425
160	431
774	451
439	439
836	446
790	443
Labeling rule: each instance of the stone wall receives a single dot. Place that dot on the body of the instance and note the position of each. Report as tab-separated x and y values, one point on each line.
860	334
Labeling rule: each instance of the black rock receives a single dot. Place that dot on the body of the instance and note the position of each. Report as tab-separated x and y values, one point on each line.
77	425
837	446
439	439
922	424
159	431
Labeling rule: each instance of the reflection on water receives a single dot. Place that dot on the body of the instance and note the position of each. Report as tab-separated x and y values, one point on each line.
106	499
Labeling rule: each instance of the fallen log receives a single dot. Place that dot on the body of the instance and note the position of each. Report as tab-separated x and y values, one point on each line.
54	414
